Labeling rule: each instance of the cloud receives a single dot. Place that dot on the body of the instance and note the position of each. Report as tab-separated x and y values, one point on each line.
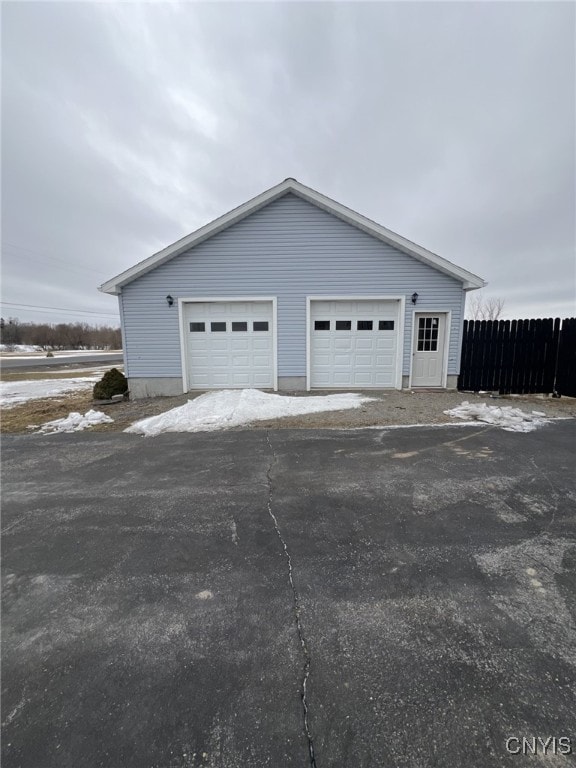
128	125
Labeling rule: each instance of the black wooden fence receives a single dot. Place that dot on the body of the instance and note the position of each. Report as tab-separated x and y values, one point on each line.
519	356
566	368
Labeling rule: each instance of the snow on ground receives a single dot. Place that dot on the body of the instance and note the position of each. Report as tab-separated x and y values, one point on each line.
28	352
509	418
56	373
16	392
19	348
75	422
234	407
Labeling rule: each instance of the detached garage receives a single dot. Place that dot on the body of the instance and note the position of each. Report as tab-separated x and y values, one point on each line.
291	291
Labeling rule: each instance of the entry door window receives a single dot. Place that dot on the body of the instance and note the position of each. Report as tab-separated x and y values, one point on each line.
428	334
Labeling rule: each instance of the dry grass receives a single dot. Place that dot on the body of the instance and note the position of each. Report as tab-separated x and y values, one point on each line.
21	418
390	407
36	412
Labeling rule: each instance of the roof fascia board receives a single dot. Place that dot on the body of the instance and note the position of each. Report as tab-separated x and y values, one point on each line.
222	222
391	238
468	279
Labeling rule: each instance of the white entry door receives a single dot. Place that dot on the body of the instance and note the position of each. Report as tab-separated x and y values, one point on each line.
428	349
354	343
229	344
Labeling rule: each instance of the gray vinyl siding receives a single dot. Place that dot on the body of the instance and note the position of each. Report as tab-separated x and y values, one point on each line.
289	249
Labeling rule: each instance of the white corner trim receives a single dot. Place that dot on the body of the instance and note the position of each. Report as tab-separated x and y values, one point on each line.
447	331
447	334
308	341
359	297
275	341
183	350
225	299
123	336
468	279
401	340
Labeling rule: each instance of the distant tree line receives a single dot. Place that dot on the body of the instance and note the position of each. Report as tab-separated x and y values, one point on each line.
59	335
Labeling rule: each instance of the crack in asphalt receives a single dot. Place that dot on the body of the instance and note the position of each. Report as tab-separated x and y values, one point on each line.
296	600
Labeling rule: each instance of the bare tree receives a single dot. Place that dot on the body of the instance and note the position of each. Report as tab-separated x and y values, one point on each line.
10	331
480	307
59	336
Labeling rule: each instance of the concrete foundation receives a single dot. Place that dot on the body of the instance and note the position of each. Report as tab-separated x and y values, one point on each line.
154	387
451	381
291	383
168	387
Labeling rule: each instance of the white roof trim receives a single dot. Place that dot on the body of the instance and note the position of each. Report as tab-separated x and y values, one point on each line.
469	280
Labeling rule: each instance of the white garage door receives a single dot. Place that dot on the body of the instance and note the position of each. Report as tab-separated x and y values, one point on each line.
229	344
353	343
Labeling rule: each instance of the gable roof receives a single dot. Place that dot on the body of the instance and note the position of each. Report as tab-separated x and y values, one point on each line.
469	281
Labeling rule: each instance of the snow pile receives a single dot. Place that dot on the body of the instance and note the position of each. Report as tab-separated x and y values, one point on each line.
234	407
75	422
509	418
16	392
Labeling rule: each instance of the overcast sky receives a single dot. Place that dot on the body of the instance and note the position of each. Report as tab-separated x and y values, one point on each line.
126	126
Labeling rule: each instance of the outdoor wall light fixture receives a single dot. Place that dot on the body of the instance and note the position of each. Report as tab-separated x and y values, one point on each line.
170	300
414	298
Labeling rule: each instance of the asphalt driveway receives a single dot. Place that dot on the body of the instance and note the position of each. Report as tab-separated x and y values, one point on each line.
166	599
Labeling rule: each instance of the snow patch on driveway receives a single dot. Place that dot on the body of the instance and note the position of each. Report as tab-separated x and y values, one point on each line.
510	419
75	422
235	407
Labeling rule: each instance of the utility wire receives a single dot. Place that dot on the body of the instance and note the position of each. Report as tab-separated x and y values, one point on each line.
59	309
52	258
52	314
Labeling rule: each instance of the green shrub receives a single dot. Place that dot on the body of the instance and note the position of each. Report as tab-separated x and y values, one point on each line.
112	383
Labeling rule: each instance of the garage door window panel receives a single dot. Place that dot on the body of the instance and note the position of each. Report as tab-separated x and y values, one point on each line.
260	325
197	327
239	326
343	325
365	325
218	327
